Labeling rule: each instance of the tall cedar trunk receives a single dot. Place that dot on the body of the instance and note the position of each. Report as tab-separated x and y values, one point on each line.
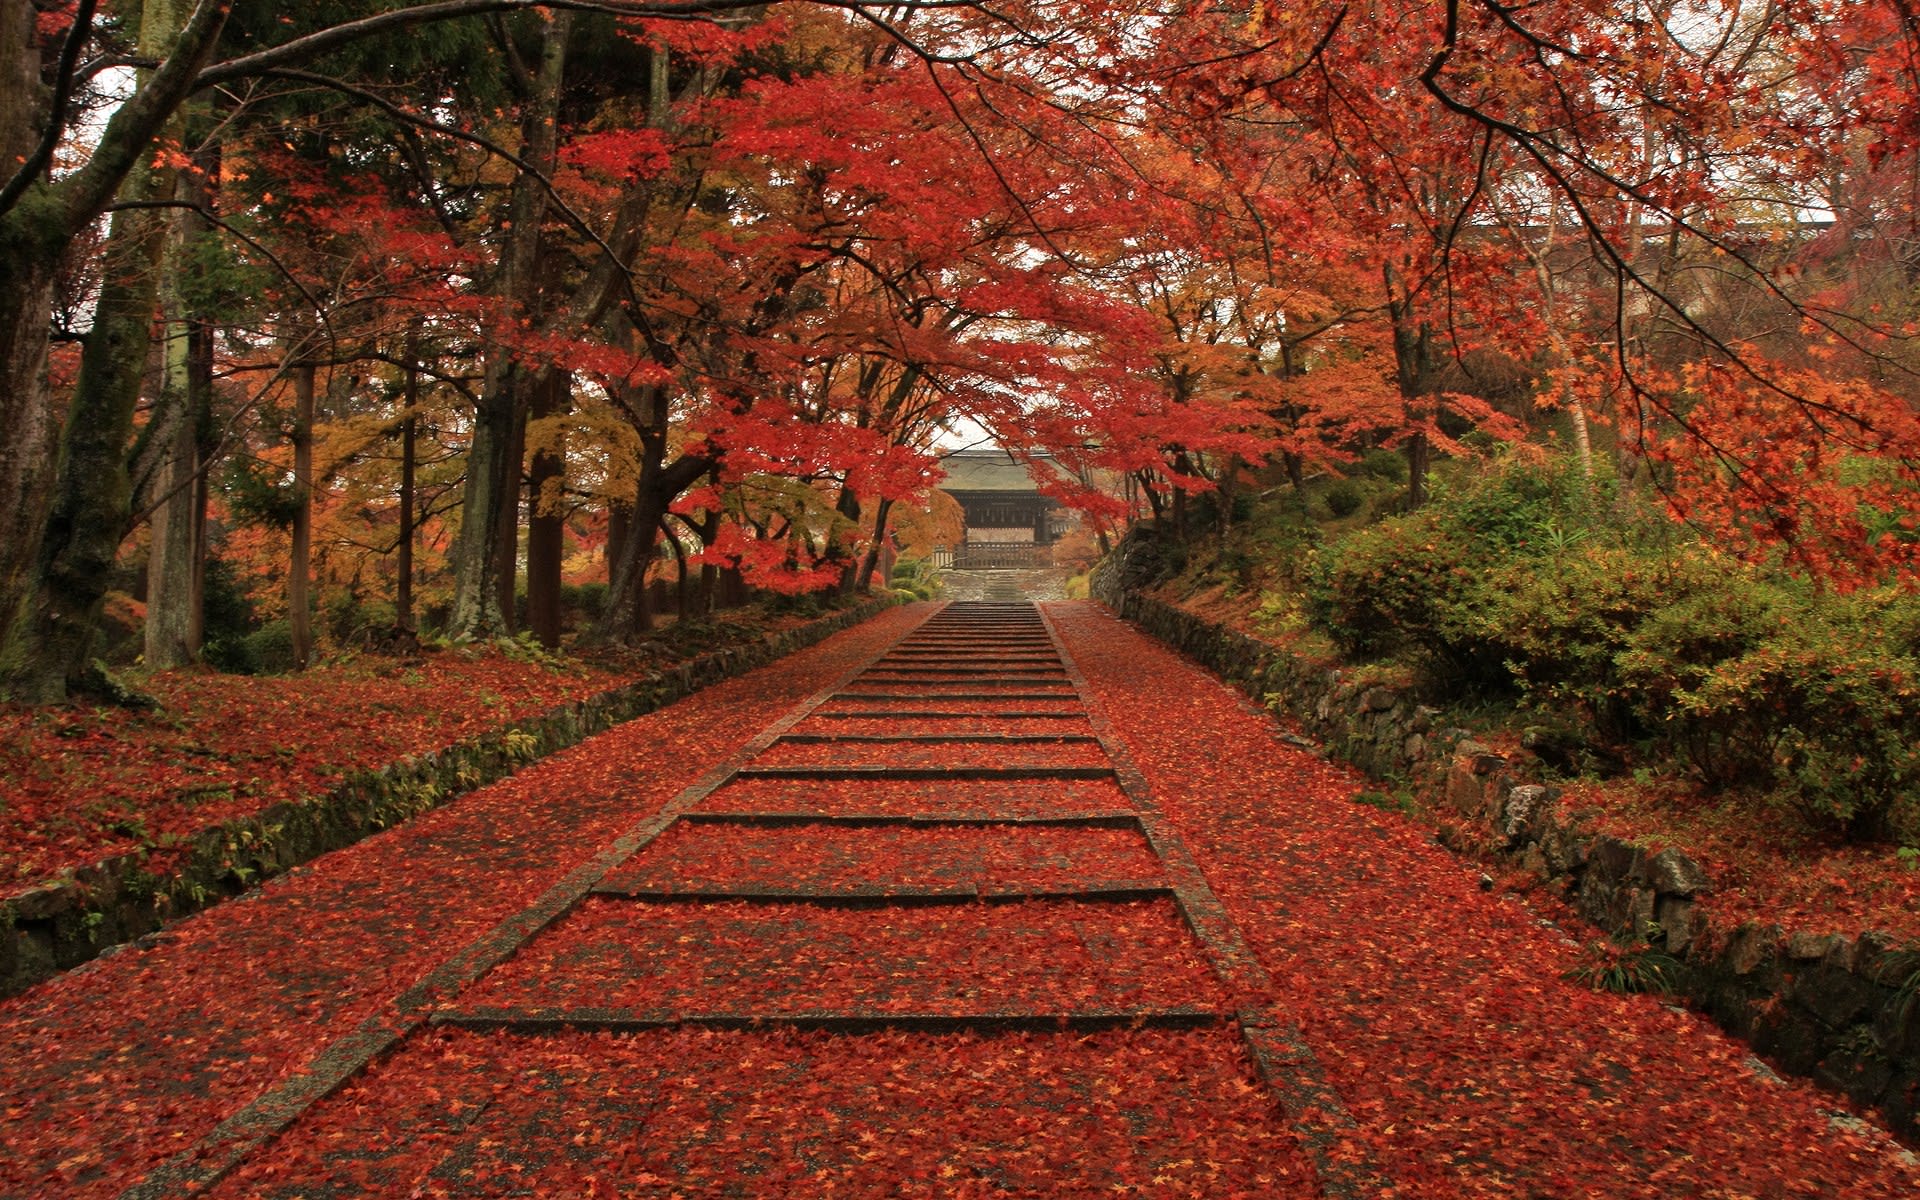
93	494
403	544
30	418
546	521
506	530
55	597
29	429
200	366
178	426
300	566
493	475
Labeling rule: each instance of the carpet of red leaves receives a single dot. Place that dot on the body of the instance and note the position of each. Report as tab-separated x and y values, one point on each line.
83	784
1438	1010
113	1067
1054	956
1435	1010
936	754
696	1113
913	797
890	856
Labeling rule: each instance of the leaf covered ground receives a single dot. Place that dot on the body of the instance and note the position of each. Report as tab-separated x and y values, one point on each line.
1439	1010
1457	1059
80	784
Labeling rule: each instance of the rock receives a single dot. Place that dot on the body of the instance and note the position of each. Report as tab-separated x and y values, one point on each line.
1463	788
1298	742
1748	948
1415	747
1843	954
1807	947
1517	814
1378	699
1676	919
1674	874
1422	719
1614	859
1835	998
44	902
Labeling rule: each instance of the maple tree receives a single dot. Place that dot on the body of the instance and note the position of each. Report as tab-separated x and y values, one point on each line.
1157	241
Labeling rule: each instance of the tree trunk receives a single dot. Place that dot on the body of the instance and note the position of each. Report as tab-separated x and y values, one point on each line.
1411	349
546	520
299	569
872	556
56	574
682	589
29	425
403	543
506	530
178	427
50	640
493	476
708	529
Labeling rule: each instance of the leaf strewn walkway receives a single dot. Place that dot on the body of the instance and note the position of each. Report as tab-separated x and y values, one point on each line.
1018	905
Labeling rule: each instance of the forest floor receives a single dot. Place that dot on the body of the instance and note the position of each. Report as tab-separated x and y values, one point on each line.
81	783
931	909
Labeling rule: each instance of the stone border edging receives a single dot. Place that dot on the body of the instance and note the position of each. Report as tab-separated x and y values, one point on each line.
1824	1006
55	926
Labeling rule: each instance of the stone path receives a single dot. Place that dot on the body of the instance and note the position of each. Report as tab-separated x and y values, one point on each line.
1005	585
944	926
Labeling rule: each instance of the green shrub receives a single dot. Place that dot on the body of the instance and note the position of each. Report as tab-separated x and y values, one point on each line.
1389	465
1682	645
229	653
270	648
1344	498
589	600
1407	586
1561	623
1837	716
351	621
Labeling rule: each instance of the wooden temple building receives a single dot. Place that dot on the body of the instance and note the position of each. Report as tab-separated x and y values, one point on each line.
1009	523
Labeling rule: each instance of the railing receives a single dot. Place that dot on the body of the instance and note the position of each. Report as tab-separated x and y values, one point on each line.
1001	556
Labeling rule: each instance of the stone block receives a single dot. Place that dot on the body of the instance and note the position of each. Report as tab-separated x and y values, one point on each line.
1615	859
1519	811
1801	946
1378	699
1674	874
1837	999
1676	917
1749	947
1463	788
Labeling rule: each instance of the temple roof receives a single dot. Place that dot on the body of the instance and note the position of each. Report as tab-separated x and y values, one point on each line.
990	471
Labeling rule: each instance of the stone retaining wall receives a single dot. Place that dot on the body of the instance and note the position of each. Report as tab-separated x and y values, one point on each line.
1826	1006
58	925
